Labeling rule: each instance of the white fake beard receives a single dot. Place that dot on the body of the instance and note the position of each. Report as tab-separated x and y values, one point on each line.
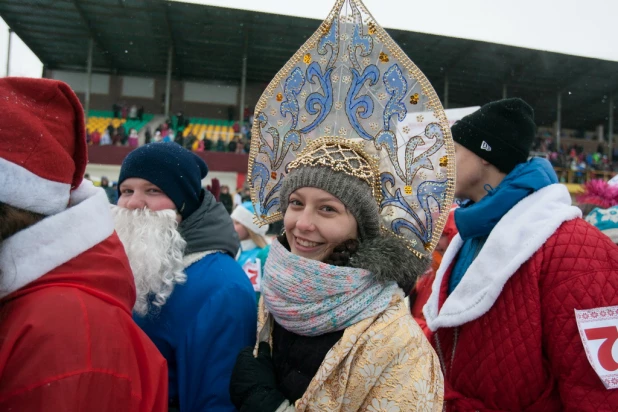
155	250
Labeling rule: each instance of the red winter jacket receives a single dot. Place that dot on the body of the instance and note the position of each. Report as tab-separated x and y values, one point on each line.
507	335
67	339
421	291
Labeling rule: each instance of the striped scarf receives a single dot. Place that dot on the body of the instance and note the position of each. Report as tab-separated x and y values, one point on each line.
311	298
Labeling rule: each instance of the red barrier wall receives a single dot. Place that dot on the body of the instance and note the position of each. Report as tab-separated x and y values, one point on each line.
216	161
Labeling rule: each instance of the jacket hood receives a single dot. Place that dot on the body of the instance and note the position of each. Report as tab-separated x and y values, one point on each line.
388	259
60	251
209	228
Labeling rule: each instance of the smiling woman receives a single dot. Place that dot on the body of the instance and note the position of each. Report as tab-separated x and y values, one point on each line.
315	222
330	278
334	330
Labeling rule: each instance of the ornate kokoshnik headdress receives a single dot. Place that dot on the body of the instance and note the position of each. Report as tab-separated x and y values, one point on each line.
352	100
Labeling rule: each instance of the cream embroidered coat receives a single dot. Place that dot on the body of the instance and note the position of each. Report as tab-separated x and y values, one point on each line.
381	364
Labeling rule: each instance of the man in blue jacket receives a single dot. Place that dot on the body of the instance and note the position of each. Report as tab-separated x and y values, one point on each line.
193	300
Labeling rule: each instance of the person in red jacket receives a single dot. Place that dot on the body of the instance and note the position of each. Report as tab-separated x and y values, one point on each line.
504	301
67	339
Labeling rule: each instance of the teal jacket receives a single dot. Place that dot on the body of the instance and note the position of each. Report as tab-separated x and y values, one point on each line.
250	252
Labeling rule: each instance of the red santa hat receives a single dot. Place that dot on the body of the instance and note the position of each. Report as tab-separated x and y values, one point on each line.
43	152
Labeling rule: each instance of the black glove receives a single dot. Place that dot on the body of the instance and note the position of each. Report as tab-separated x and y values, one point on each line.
253	387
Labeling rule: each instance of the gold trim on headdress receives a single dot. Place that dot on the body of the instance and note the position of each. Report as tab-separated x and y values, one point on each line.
341	155
350	83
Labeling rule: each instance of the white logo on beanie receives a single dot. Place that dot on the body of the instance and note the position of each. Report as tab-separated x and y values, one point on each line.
485	146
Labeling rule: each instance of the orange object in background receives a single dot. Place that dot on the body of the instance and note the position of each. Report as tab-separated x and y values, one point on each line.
240	179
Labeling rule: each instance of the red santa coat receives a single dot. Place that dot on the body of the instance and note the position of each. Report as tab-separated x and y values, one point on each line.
507	335
67	339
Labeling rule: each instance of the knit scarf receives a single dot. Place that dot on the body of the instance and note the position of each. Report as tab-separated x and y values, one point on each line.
480	218
311	298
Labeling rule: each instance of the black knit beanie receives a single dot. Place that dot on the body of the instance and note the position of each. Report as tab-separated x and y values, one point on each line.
500	132
175	170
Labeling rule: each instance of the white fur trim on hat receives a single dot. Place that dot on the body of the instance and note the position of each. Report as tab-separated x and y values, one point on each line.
244	217
21	188
55	240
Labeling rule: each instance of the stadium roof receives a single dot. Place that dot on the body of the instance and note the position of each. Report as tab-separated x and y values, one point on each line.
132	37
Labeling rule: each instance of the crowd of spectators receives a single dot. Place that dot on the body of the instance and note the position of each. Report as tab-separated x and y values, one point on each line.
172	130
574	158
116	136
124	111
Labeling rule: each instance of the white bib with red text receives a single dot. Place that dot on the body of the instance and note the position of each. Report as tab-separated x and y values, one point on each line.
598	329
253	271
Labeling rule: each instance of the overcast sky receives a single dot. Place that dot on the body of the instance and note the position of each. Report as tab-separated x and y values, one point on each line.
23	61
586	28
581	27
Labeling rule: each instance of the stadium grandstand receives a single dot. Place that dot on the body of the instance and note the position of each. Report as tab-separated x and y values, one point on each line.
193	73
99	120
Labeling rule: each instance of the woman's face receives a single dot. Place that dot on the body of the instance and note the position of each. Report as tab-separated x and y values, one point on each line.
316	222
243	234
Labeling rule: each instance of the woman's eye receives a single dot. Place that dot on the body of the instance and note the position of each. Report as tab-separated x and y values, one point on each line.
328	209
154	191
126	192
295	202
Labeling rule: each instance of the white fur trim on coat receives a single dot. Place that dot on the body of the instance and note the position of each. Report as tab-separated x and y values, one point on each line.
188	260
55	240
21	188
516	237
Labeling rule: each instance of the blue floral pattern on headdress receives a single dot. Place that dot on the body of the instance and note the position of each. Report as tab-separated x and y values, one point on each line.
351	81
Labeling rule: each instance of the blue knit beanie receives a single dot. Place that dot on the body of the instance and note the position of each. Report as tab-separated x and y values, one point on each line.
175	170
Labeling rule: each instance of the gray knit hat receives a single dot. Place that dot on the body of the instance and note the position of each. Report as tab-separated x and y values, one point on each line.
343	173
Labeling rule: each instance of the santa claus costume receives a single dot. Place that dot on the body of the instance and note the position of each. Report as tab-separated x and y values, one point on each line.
67	339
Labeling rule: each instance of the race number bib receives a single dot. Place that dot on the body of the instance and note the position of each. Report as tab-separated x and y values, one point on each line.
254	272
598	329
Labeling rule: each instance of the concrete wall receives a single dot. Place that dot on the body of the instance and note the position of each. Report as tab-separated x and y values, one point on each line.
106	161
108	89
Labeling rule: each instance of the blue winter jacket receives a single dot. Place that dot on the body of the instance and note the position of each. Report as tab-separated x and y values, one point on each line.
207	321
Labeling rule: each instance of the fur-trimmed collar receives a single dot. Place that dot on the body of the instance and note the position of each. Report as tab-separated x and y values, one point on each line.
388	259
55	240
188	260
514	239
